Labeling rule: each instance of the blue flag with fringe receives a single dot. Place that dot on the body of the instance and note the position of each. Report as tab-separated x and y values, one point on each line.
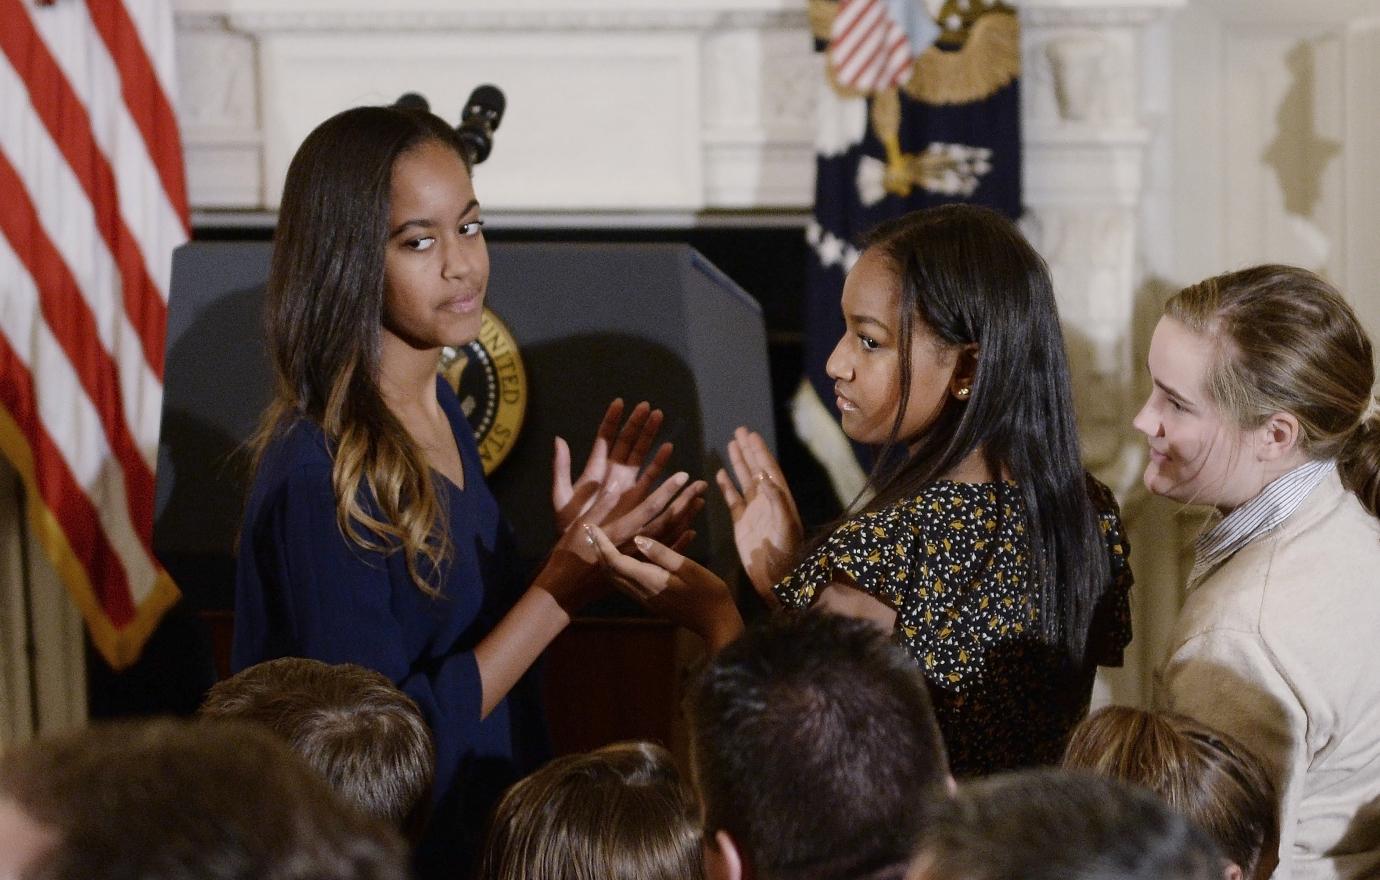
892	138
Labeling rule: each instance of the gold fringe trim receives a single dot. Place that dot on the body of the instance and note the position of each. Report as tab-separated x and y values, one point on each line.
886	117
886	123
989	60
822	14
821	434
847	93
119	647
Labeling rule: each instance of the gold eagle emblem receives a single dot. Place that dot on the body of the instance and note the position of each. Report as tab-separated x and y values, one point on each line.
488	377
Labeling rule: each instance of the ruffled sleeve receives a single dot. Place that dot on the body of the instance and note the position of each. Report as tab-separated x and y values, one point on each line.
1111	626
874	552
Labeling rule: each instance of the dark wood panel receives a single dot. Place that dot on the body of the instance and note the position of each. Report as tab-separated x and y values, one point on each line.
606	680
614	679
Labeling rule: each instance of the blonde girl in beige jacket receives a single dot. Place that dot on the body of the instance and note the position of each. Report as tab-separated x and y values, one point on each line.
1261	408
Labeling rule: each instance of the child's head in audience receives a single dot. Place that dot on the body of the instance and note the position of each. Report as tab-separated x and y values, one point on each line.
1062	825
1204	774
350	723
173	800
815	750
620	812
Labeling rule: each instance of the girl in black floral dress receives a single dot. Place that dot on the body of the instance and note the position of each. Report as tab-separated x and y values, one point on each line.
998	562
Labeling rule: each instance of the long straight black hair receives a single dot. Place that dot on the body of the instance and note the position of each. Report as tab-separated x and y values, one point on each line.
968	275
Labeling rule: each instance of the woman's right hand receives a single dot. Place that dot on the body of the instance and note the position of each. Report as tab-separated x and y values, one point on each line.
766	522
622	448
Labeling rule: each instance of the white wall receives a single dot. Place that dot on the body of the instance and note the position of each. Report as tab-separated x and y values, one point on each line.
1277	141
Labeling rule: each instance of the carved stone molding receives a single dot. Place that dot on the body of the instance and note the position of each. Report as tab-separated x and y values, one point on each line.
1096	13
748	91
217	85
1086	141
762	78
1091	252
1084	170
1079	75
218	108
550	19
756	94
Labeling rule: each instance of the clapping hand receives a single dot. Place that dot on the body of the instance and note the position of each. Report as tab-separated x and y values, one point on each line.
766	522
570	573
615	459
673	586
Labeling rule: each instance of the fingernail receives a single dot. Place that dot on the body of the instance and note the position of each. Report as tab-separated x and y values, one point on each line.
641	542
589	535
681	476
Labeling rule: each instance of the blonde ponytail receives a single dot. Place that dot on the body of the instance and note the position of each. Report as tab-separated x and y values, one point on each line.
1359	461
1287	341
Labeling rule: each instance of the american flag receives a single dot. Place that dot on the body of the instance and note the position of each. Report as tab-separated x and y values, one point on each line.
869	50
92	203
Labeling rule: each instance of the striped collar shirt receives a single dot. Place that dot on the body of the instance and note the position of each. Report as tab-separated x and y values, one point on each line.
1262	513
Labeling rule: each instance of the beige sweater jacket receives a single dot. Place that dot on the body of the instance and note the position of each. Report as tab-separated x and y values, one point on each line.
1279	646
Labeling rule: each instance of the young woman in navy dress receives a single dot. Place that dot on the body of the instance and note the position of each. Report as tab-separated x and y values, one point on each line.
370	536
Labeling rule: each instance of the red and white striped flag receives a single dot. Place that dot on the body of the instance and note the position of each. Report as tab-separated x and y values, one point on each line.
868	49
92	203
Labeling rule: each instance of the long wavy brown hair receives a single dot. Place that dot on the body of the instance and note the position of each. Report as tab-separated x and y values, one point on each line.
323	316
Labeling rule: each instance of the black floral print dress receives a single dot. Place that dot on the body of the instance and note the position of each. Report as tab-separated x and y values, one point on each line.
954	564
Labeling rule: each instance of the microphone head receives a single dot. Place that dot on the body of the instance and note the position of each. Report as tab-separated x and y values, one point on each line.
412	101
486	102
482	114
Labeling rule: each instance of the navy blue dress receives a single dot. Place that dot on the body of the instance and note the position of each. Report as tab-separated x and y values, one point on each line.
304	590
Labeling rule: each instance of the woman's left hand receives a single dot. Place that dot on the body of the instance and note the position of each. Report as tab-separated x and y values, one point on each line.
766	522
673	586
614	463
572	571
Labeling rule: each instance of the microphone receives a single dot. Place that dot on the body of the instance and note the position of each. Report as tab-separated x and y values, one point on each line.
412	101
479	120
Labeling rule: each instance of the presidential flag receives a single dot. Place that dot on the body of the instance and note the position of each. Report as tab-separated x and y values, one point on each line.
893	138
92	202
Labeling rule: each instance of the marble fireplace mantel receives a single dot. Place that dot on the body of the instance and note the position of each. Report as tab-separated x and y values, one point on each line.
643	111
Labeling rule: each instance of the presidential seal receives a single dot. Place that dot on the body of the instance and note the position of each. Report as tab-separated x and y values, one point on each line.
488	377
